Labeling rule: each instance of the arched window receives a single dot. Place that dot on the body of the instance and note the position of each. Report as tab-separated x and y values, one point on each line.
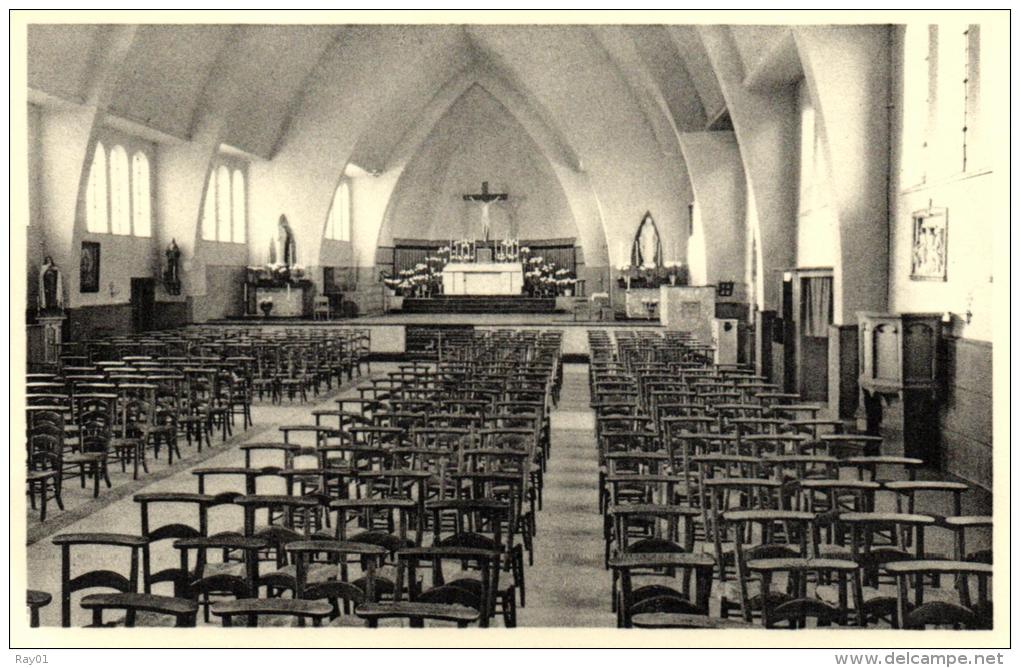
120	191
225	209
140	195
96	218
916	101
952	98
209	209
338	225
239	212
223	203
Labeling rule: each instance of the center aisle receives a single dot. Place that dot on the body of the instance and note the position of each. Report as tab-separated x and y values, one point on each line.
567	585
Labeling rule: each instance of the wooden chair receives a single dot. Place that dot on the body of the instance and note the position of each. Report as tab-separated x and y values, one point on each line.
485	524
658	597
761	534
959	526
304	555
235	576
98	577
177	505
45	471
451	598
801	606
288	519
654	529
320	307
877	541
383	522
95	419
916	613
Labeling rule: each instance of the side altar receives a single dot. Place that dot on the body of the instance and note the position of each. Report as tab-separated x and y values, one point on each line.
290	295
289	301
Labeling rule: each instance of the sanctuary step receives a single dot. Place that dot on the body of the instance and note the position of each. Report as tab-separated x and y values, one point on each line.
480	304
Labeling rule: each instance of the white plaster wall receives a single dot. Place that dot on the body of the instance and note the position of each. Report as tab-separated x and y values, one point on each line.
717	175
581	89
477	141
977	208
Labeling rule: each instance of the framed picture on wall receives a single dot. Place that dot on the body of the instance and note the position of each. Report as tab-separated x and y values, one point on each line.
89	266
928	253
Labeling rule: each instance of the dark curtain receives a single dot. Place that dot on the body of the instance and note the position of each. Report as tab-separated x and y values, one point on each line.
405	257
817	306
561	256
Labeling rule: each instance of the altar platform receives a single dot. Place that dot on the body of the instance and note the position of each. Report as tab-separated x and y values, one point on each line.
478	304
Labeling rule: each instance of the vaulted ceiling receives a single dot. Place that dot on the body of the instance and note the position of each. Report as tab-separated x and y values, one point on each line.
605	105
163	81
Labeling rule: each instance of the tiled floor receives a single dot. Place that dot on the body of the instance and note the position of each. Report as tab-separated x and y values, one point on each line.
566	586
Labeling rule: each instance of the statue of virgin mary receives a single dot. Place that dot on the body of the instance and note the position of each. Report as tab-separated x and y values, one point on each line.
646	252
287	245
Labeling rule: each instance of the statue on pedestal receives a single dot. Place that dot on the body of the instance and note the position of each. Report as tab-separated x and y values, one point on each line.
288	247
51	287
172	275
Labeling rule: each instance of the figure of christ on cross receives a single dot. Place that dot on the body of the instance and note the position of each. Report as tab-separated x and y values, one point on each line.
485	198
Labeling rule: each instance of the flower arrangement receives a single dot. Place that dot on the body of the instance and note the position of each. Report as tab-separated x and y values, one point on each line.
276	274
423	280
677	273
671	273
544	279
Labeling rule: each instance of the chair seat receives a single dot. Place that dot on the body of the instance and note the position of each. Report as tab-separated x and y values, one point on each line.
36	476
383	585
731	593
317	572
84	458
235	568
834	551
730	590
388	541
351	621
830	594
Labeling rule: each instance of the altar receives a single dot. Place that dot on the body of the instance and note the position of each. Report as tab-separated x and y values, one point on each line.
288	301
483	278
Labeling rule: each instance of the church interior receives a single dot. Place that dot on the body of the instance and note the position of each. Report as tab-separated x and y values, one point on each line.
632	326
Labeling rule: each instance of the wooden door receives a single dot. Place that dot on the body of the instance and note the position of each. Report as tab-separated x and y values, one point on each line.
143	303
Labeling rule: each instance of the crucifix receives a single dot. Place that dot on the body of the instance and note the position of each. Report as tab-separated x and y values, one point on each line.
485	198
